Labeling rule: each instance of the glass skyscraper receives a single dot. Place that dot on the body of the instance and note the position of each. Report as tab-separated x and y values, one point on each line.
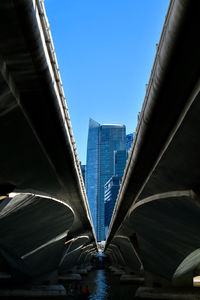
120	158
103	140
111	191
113	184
129	140
83	171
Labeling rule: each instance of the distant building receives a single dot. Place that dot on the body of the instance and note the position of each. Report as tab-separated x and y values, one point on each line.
120	158
111	192
112	186
129	140
103	140
83	170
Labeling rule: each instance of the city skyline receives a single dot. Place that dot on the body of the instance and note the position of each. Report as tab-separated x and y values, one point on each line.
105	52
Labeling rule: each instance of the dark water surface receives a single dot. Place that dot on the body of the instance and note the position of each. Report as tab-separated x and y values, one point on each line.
103	285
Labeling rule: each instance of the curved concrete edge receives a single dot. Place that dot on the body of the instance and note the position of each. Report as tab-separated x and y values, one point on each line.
42	86
117	256
168	239
74	244
72	258
158	82
39	227
171	194
124	254
185	272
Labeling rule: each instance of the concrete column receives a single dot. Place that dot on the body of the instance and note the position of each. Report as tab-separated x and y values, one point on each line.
186	280
155	281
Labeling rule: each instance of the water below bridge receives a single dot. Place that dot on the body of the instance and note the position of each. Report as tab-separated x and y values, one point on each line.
103	285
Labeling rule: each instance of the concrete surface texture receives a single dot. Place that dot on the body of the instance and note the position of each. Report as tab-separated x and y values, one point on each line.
37	153
157	209
33	228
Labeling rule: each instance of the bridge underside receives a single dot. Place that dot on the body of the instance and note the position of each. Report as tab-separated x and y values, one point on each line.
157	211
41	224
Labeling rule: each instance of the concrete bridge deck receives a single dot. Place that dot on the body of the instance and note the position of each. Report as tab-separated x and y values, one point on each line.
157	211
154	229
38	158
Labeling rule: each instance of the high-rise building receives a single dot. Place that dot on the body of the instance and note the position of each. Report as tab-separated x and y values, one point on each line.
113	184
93	169
83	171
103	140
120	158
129	140
111	191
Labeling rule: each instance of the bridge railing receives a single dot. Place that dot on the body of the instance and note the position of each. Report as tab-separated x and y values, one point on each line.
58	86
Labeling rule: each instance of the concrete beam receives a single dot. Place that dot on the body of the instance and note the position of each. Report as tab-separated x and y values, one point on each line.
33	113
33	229
130	257
169	95
167	229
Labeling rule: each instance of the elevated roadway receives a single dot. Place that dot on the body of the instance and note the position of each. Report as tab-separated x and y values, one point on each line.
157	210
38	158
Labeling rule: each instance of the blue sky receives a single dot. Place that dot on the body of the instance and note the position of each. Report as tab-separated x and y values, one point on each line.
105	51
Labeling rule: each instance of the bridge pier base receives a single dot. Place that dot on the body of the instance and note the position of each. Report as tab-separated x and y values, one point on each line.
156	287
168	293
130	278
35	291
70	277
155	281
185	280
47	279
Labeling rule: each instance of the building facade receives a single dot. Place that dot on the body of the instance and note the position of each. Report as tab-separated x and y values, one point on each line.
83	171
129	140
120	158
93	168
103	140
110	196
113	184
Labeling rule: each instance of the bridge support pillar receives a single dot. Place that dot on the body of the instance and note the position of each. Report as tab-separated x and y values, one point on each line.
48	279
155	281
156	287
167	293
185	280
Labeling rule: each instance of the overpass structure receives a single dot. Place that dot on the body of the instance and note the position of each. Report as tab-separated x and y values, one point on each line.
155	225
45	226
